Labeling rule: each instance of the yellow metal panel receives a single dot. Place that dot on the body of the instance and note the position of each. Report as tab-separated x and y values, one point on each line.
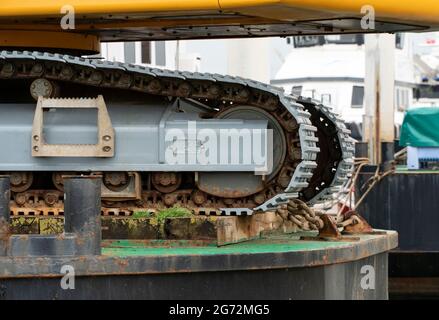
57	40
138	23
408	10
52	7
139	20
419	11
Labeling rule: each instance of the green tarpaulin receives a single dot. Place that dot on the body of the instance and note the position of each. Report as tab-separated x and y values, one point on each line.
420	128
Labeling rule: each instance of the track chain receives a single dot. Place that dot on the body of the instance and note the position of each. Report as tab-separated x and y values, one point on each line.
199	86
345	143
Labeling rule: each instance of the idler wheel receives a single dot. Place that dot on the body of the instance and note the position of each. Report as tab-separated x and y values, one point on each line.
116	181
58	180
20	181
199	197
50	198
170	199
166	182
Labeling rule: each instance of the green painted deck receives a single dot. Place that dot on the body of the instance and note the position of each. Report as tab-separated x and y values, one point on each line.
404	169
267	244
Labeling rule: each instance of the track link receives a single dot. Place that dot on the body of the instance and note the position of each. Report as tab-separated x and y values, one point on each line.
339	148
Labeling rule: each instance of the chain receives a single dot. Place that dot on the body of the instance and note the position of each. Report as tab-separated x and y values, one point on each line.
300	214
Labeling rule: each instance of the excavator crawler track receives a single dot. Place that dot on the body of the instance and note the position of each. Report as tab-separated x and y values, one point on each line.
309	176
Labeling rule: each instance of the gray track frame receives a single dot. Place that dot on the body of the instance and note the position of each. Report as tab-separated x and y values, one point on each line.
308	139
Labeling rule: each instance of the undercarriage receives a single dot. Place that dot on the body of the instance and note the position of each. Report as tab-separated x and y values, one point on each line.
62	115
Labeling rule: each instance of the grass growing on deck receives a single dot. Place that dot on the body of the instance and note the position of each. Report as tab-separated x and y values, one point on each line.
176	212
141	214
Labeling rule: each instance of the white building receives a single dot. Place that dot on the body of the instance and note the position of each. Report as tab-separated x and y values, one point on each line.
326	68
331	69
258	59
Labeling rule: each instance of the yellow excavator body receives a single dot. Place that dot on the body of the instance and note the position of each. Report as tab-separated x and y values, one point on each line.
36	24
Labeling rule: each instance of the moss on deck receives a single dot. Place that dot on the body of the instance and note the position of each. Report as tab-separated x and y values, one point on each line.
279	243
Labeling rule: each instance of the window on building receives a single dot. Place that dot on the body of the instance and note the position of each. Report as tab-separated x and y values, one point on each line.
129	52
297	90
160	53
427	91
310	93
326	98
402	99
399	40
357	97
308	41
312	41
146	52
345	39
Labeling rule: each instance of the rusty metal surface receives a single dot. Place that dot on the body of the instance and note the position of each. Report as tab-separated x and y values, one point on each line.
42	245
329	229
83	214
356	224
286	253
405	202
20	181
219	229
190	228
4	214
120	186
301	215
333	281
413	274
80	235
166	182
413	287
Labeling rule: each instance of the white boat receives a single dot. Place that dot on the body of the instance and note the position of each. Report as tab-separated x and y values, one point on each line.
331	69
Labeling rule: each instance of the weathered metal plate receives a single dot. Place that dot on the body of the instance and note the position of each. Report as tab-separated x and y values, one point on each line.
217	229
279	267
405	202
